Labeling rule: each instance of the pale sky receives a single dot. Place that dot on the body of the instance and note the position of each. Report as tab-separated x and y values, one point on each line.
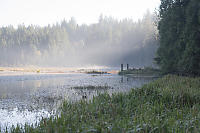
44	12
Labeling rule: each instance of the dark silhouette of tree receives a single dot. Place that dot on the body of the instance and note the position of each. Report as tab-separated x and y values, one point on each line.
179	50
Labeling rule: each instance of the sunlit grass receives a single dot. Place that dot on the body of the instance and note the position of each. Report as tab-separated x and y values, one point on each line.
169	104
53	70
38	70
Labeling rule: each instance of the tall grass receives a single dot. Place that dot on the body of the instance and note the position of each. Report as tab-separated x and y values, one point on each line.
169	104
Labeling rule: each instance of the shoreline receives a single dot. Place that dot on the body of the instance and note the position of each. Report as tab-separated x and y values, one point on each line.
17	71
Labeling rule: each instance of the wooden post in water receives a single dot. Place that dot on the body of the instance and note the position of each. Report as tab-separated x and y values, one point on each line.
121	67
127	66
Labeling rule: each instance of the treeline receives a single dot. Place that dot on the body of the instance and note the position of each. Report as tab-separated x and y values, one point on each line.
108	42
179	31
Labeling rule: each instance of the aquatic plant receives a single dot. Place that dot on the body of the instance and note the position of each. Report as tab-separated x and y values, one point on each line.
96	72
91	87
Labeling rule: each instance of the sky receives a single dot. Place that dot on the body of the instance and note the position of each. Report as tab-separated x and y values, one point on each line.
44	12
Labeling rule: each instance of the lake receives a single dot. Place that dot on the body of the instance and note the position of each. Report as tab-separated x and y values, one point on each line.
26	98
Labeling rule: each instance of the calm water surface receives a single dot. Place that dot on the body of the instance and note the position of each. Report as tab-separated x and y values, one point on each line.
28	98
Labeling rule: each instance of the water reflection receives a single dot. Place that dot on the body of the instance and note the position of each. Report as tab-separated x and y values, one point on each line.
28	96
124	79
15	116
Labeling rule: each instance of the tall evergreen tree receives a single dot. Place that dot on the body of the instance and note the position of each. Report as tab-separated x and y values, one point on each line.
179	49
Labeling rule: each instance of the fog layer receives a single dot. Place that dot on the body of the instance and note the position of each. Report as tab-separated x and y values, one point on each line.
108	42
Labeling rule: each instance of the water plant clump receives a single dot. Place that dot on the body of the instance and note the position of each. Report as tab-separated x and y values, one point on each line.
169	104
91	87
96	72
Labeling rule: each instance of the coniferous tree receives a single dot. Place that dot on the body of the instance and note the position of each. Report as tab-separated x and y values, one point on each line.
179	50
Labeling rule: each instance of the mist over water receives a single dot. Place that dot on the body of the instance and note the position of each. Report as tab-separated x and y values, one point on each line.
109	42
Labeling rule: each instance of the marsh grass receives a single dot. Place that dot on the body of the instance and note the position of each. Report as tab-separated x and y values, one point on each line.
169	104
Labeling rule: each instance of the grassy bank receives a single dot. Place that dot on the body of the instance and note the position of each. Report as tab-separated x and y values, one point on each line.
169	104
148	71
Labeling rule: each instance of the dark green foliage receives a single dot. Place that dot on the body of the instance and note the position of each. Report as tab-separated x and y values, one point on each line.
169	104
179	25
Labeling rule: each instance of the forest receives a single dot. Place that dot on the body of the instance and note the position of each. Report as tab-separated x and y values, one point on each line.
179	35
108	42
